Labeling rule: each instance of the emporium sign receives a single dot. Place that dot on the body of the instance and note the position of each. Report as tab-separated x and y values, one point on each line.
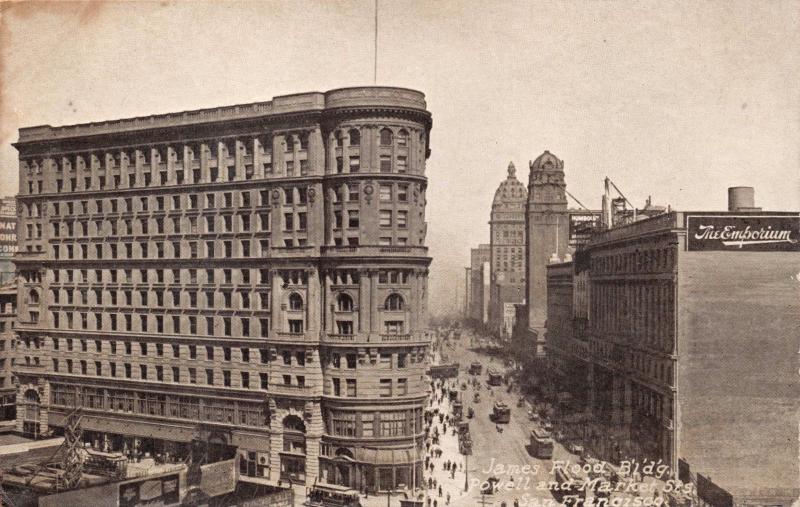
743	232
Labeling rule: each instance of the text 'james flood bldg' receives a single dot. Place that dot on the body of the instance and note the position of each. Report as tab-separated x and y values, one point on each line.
253	276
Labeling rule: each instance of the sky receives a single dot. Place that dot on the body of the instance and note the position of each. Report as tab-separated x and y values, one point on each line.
674	100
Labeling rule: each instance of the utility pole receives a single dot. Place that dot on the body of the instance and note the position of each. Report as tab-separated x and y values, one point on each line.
466	472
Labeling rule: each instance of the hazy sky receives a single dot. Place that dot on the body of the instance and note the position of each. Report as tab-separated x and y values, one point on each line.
677	100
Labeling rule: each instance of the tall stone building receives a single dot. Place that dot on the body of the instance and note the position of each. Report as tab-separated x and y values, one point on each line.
547	236
507	244
252	276
479	284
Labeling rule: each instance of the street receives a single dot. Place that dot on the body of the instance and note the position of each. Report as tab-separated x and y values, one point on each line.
500	454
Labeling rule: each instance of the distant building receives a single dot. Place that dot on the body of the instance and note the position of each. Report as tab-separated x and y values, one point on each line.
681	344
8	316
479	284
507	250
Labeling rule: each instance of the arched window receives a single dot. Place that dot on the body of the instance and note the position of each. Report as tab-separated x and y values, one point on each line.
338	138
33	297
289	142
344	303
31	396
386	137
355	137
294	423
394	302
402	138
295	301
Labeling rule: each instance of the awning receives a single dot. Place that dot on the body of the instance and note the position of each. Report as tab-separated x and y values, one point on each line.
385	456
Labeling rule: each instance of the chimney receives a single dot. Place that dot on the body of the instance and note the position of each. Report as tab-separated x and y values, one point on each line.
741	199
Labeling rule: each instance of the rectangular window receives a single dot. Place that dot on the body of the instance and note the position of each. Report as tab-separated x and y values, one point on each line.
351	391
386	164
295	326
402	164
264	380
385	192
355	164
402	219
385	389
385	218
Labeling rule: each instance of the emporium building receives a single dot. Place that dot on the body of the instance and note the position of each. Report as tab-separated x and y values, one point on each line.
252	276
677	337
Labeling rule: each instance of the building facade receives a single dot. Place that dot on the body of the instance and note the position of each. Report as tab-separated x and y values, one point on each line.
507	251
546	238
479	284
8	317
252	276
692	317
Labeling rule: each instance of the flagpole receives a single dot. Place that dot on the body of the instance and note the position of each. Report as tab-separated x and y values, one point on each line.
375	66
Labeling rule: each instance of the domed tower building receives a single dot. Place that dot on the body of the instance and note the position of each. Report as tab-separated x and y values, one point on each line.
507	244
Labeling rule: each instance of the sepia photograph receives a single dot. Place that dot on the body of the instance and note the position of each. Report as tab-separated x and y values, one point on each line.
400	253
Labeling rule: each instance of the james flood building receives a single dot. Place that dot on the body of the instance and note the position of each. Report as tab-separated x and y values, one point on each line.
252	276
681	346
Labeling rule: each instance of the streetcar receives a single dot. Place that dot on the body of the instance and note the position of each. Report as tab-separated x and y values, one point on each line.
475	368
541	443
324	495
494	378
501	412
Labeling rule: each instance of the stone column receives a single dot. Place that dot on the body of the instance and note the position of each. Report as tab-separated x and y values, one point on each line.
312	306
327	301
373	302
364	298
276	315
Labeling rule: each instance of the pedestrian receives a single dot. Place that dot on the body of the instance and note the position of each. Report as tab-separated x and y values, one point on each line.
435	503
516	503
448	499
429	502
440	490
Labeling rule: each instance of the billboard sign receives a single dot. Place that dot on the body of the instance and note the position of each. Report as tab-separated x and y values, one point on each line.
581	226
150	492
8	235
743	233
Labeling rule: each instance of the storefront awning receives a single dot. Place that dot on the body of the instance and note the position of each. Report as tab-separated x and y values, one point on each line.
385	456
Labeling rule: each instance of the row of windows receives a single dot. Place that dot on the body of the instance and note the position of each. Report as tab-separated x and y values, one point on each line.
147	204
238	300
639	261
163	405
374	424
244	248
387	387
208	276
211	326
400	165
232	223
386	137
174	350
234	161
643	311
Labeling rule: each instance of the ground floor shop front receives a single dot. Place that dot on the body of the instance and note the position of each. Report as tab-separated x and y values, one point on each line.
371	477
